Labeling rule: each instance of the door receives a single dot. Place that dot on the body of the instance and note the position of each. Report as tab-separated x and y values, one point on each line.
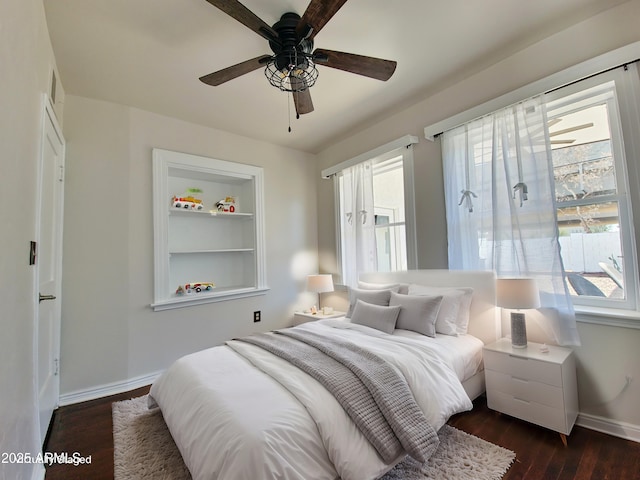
49	266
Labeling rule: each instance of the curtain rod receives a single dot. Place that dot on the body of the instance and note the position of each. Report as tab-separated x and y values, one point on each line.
589	68
402	142
624	65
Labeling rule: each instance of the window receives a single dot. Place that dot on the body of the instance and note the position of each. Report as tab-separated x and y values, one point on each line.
591	186
390	229
374	203
495	160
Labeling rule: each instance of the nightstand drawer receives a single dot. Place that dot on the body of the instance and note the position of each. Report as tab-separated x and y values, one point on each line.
524	368
524	389
533	412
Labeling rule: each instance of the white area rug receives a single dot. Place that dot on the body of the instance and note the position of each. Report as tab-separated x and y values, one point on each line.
144	450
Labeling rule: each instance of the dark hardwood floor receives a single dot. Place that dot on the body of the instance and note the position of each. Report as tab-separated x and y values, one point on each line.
86	428
540	454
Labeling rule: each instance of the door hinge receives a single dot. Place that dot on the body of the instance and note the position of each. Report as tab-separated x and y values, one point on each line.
61	173
56	361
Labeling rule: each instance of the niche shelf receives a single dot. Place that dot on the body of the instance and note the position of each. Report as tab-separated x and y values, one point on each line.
206	245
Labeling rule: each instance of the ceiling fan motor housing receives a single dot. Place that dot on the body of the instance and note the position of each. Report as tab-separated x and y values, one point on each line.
290	51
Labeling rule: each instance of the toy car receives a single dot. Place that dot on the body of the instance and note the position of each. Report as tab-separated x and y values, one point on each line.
188	203
228	205
199	287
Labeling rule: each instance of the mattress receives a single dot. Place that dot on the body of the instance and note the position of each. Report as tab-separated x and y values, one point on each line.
463	353
238	412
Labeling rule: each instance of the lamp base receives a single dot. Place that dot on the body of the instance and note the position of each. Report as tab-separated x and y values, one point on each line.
518	330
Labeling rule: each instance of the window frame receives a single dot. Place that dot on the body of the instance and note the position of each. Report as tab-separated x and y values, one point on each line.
406	152
608	88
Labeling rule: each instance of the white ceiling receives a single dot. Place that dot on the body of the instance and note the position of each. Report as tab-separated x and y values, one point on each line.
149	54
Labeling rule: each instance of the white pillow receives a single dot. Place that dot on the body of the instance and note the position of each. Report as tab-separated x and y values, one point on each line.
453	317
394	287
377	297
417	313
463	312
375	316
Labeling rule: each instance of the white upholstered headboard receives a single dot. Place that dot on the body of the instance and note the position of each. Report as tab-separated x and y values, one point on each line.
484	321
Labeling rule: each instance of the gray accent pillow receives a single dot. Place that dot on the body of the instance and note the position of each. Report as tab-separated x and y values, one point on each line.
380	317
453	317
376	297
417	313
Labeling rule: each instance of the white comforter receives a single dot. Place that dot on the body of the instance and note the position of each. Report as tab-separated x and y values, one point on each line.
237	412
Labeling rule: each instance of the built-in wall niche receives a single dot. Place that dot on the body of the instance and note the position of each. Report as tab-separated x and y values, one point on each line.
208	230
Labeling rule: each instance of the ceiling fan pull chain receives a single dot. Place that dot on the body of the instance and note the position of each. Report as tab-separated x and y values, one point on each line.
289	111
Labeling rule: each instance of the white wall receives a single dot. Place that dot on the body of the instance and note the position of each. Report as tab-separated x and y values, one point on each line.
109	332
608	353
25	62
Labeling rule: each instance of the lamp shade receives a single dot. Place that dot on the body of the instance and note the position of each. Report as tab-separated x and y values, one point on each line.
320	283
517	293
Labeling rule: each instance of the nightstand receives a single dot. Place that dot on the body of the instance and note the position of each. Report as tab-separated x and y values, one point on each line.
303	317
538	387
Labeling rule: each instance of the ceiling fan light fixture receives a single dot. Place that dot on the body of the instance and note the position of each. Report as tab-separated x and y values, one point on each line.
296	77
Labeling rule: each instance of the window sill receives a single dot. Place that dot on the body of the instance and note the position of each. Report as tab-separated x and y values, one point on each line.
608	316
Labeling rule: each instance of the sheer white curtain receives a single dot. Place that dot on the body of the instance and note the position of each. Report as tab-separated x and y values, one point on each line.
500	200
358	239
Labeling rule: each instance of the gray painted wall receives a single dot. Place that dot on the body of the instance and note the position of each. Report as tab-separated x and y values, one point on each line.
109	332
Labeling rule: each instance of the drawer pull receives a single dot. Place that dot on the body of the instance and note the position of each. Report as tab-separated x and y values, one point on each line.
521	400
519	379
518	357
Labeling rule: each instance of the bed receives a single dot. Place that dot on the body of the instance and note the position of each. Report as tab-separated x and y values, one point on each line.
245	411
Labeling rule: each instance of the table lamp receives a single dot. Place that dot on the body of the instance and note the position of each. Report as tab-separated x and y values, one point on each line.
320	284
517	294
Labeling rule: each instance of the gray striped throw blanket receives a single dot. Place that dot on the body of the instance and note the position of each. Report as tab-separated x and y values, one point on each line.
372	392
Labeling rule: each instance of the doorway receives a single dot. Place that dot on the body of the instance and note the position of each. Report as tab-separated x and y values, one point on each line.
49	265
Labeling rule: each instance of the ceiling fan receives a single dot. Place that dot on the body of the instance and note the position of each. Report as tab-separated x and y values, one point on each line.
566	130
291	67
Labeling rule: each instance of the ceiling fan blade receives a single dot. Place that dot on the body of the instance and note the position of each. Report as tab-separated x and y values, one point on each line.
302	100
570	129
236	10
368	66
221	76
317	14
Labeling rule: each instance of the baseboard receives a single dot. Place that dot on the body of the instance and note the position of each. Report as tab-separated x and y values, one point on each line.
624	430
108	389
